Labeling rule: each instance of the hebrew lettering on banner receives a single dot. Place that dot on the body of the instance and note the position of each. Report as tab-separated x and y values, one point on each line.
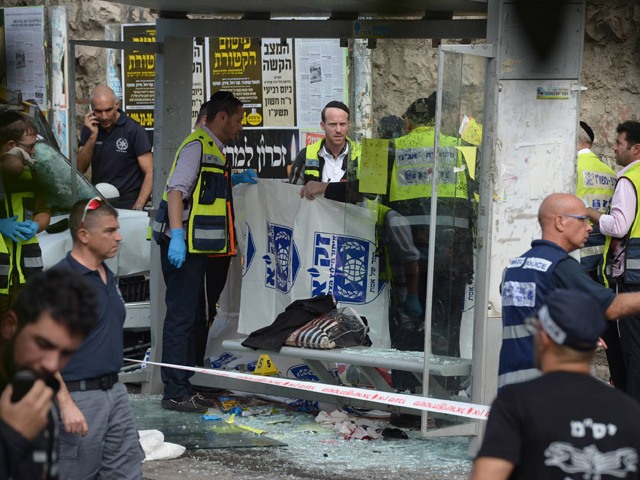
267	151
297	249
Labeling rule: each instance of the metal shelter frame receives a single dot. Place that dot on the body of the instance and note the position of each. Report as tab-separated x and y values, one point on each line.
433	19
176	36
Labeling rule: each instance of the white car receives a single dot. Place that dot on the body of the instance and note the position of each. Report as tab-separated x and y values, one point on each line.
131	265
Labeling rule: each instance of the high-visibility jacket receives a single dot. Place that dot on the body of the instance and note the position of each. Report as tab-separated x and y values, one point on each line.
413	167
210	229
596	183
385	272
24	257
632	245
314	163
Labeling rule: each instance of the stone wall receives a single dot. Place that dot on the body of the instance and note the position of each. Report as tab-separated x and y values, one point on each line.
406	70
611	69
403	70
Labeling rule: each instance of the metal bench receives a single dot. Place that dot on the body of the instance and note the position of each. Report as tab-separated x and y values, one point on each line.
367	359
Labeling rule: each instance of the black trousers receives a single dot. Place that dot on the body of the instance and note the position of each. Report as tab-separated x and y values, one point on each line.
215	278
629	328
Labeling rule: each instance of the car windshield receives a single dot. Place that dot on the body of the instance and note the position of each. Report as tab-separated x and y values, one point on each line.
54	174
52	168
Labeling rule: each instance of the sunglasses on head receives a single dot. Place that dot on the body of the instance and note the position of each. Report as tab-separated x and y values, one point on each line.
93	204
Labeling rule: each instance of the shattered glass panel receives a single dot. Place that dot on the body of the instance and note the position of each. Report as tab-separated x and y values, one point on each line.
192	430
54	173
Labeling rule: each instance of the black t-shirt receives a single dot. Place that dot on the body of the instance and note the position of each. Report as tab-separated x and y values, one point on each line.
565	426
115	155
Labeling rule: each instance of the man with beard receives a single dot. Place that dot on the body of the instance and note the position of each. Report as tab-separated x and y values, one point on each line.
46	325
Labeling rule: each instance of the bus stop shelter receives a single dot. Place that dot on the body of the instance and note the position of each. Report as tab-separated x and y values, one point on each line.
528	140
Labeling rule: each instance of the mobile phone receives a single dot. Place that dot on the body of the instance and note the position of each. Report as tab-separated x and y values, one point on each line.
22	383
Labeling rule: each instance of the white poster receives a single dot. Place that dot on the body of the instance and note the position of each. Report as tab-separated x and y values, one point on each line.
198	87
24	43
295	248
58	23
277	82
320	78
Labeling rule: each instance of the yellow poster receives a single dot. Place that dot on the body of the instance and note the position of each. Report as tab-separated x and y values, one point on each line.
374	165
469	154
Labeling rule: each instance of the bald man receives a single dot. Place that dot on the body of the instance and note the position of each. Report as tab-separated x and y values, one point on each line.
547	266
118	150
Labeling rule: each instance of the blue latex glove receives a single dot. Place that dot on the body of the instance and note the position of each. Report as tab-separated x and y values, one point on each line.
28	228
247	176
10	227
177	248
413	307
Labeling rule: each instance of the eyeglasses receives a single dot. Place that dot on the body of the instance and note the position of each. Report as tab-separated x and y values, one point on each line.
93	204
583	218
27	146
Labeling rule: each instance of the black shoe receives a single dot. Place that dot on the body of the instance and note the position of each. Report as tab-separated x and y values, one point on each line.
205	401
405	420
186	404
390	433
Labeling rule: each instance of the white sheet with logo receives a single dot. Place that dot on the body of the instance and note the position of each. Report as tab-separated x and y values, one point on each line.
295	248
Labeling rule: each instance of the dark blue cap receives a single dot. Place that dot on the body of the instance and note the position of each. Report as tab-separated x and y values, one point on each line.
422	111
572	318
390	127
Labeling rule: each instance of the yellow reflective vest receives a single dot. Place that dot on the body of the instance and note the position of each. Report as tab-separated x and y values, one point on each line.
24	257
596	181
413	167
631	273
314	163
210	229
595	185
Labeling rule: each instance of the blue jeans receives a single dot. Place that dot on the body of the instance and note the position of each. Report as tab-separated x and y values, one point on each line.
178	343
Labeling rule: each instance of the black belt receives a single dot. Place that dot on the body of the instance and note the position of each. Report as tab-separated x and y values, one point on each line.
100	383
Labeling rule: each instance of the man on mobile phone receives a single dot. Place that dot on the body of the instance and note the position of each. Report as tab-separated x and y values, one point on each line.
47	324
118	150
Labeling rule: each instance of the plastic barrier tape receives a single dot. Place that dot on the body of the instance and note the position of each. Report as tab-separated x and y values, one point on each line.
461	409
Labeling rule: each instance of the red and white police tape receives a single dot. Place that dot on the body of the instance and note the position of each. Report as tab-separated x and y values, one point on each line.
461	409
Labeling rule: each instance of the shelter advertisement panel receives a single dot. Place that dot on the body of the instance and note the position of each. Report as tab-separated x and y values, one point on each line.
198	94
235	64
25	56
278	87
267	151
139	73
58	23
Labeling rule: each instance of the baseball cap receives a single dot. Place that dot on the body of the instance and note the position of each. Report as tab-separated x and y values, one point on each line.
390	127
572	318
422	111
588	130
